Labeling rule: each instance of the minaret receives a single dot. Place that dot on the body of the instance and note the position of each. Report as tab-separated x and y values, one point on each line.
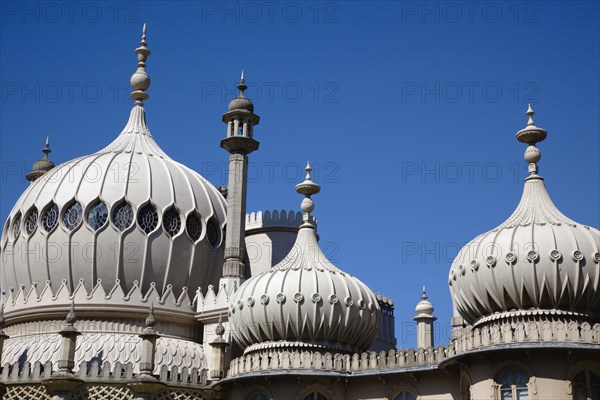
42	166
424	319
240	120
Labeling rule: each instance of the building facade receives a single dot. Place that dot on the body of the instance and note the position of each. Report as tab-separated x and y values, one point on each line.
179	293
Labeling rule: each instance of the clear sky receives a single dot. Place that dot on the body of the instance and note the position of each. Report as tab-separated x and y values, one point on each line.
407	110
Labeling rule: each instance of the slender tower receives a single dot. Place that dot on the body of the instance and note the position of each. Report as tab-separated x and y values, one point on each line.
425	320
240	120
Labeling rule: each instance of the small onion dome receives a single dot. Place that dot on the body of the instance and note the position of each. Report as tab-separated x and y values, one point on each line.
241	102
424	307
538	259
42	166
305	301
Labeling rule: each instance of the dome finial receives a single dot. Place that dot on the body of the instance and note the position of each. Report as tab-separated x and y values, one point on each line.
140	80
532	134
242	85
46	150
424	294
307	188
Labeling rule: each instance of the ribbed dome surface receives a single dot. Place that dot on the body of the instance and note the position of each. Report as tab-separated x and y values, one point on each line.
538	258
306	300
128	212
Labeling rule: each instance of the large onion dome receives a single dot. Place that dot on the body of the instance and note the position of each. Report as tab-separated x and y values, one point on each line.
305	301
127	215
537	261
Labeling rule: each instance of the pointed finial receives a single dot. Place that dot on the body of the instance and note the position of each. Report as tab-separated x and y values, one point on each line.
307	188
150	320
242	85
71	317
531	135
424	294
220	329
140	80
46	150
530	114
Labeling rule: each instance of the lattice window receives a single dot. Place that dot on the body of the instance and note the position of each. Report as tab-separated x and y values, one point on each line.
16	227
258	396
50	218
179	395
28	392
586	386
31	221
193	226
172	222
213	233
97	216
72	216
106	393
148	218
122	216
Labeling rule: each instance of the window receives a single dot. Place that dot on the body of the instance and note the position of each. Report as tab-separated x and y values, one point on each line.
72	216
315	396
148	218
213	233
122	216
50	218
171	222
586	386
513	385
16	227
404	396
31	221
97	216
193	226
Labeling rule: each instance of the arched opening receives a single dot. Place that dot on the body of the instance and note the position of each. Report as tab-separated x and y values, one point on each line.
586	386
512	385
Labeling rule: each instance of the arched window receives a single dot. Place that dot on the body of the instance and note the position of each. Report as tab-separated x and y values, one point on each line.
315	396
258	396
513	385
404	396
586	386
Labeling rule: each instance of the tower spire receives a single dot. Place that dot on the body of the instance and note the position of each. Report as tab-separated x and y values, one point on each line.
140	80
531	135
240	120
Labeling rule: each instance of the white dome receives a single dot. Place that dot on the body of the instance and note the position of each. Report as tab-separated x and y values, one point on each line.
127	214
537	259
305	301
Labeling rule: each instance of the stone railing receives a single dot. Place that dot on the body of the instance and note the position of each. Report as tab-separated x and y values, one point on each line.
337	362
521	328
117	373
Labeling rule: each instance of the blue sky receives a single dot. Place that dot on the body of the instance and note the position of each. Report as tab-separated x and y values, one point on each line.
406	109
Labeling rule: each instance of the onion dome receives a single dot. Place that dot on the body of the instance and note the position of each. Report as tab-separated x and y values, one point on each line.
538	260
241	102
424	307
305	301
42	166
127	215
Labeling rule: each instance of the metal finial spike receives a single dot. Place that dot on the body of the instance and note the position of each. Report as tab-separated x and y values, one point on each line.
46	150
143	42
424	294
242	85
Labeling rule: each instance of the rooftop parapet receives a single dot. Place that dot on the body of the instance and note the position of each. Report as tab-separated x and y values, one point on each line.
275	219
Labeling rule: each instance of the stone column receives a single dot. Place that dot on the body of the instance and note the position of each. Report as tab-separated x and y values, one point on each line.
146	386
62	384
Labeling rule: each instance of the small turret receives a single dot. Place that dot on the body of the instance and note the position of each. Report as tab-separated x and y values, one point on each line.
424	319
42	166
